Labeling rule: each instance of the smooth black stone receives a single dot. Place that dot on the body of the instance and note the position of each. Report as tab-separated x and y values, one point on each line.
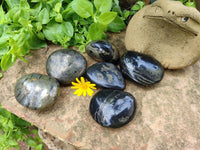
106	75
66	65
101	50
140	68
36	91
112	108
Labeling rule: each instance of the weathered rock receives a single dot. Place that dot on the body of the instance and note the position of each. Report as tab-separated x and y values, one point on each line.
112	108
36	91
66	65
141	68
106	75
101	50
168	31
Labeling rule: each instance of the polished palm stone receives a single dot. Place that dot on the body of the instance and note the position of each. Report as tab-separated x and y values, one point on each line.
112	108
66	65
106	75
140	68
36	91
102	50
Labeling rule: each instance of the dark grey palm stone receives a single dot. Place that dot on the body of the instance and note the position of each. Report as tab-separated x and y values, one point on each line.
101	50
141	68
36	91
112	108
66	65
106	75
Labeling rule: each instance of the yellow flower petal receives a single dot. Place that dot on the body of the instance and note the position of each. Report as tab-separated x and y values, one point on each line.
78	80
78	92
75	87
83	87
82	80
84	93
73	83
90	92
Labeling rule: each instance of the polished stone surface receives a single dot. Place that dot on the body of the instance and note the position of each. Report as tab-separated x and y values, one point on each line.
112	108
140	68
102	50
106	75
66	65
167	115
36	91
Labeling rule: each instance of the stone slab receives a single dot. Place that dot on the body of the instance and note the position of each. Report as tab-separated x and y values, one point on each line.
167	114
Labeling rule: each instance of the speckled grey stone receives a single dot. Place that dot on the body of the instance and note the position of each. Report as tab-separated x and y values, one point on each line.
66	65
36	91
106	75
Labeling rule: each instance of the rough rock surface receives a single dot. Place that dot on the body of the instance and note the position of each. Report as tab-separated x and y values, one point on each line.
167	114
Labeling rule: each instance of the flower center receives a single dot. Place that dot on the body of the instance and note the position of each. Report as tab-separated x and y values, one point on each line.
84	86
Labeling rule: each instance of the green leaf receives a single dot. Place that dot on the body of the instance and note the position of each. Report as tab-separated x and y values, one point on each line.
2	119
40	147
68	29
7	61
116	2
57	7
24	22
83	8
59	18
59	33
12	142
96	31
135	7
1	75
20	122
117	25
24	4
10	124
43	16
107	17
79	38
82	48
12	3
103	5
2	15
31	142
190	4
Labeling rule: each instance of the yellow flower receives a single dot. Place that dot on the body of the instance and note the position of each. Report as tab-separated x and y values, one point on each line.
83	87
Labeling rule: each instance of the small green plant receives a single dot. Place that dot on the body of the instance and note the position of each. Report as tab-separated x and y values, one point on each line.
189	3
26	25
14	129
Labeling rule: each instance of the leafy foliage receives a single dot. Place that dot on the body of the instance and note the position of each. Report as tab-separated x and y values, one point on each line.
14	129
25	25
188	3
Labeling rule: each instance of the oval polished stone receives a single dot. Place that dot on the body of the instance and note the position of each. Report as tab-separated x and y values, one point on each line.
36	91
140	68
101	50
66	65
106	75
112	108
